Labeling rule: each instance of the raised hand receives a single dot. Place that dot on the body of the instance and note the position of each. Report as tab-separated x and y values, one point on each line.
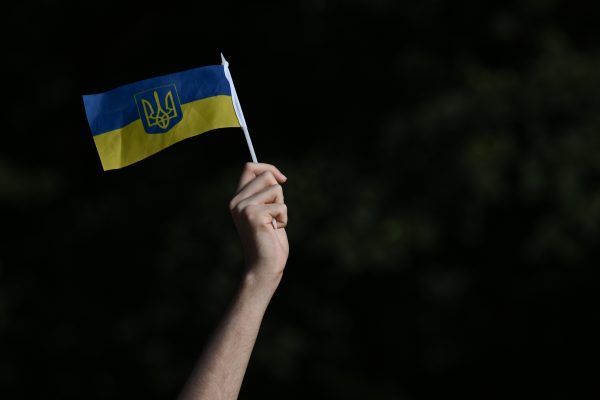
258	201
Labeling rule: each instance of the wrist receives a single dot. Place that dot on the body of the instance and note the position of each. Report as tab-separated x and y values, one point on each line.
256	280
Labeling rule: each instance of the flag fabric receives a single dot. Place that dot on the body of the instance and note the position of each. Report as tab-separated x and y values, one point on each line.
139	119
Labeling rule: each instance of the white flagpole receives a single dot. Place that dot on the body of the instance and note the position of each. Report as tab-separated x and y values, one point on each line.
237	107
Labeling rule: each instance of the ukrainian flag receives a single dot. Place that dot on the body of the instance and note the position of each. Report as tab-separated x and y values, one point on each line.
139	119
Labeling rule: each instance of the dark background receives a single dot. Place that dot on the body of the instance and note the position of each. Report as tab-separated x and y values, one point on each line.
443	161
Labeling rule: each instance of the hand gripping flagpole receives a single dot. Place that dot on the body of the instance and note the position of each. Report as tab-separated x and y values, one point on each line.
240	115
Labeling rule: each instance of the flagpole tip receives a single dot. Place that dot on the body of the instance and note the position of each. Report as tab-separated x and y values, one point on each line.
224	61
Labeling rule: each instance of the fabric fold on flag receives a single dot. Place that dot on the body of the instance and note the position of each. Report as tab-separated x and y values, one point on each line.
139	119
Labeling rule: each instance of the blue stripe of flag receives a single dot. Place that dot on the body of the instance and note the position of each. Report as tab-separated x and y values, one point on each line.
116	108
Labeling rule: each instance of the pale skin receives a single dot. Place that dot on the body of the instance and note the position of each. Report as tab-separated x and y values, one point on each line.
258	201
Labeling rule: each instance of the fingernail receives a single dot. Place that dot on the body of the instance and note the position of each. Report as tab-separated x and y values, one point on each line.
284	177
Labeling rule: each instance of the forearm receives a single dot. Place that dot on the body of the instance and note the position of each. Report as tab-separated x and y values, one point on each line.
221	368
260	216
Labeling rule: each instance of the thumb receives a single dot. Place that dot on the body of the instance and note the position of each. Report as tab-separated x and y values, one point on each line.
275	212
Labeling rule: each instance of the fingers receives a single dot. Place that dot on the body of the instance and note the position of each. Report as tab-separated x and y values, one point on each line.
268	195
256	185
264	214
252	170
259	200
277	212
260	183
263	180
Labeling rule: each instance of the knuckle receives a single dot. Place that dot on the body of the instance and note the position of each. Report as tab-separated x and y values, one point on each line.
269	177
232	204
279	191
239	209
249	213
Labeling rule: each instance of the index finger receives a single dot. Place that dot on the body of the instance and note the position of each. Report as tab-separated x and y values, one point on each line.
252	170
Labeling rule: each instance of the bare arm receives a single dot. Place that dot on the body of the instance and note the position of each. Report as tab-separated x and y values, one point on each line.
221	368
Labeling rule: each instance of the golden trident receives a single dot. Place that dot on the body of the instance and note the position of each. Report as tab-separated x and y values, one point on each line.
161	117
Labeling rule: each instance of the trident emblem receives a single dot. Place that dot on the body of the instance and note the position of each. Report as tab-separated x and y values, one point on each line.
157	116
